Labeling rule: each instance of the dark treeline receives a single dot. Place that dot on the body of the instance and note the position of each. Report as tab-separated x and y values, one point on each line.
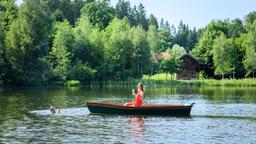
44	41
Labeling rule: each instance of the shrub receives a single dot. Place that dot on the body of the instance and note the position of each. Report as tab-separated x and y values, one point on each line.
82	72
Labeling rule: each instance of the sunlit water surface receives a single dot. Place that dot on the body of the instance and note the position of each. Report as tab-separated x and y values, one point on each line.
220	115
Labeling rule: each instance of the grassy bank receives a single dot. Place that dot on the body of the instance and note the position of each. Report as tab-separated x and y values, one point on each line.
160	79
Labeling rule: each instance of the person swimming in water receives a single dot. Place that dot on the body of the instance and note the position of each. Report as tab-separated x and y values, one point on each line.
54	109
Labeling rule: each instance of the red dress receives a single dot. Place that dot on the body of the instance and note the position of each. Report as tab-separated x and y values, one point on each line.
138	100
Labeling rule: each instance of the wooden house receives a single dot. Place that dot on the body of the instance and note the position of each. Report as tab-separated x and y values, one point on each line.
190	66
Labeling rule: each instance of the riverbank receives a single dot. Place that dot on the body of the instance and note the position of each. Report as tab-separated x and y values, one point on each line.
206	82
163	79
248	82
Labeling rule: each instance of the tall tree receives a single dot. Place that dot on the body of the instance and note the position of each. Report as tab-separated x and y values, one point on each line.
223	58
236	28
60	54
166	37
27	42
153	38
141	17
8	13
152	20
118	48
66	9
186	37
123	9
140	59
204	47
99	13
88	43
250	54
249	19
170	65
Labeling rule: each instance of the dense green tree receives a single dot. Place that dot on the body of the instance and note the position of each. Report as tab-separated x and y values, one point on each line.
170	65
99	13
140	16
224	56
152	20
177	51
8	13
27	42
140	59
153	38
61	52
249	19
186	37
118	48
88	44
203	49
192	39
166	37
181	36
82	72
123	9
250	53
66	9
236	28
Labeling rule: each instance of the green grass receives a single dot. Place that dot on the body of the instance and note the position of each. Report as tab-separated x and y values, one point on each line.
160	79
161	76
72	83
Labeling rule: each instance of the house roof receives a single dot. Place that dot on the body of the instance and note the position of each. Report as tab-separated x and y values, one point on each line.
190	55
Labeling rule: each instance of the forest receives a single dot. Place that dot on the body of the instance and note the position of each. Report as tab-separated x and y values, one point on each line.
45	41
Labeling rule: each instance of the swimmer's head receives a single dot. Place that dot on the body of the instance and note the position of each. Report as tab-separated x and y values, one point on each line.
53	109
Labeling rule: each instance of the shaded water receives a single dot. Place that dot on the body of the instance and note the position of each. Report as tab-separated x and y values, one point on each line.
220	115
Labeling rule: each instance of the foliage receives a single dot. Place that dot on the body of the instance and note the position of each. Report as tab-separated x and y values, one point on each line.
186	37
123	9
141	56
66	9
250	54
82	72
61	52
43	41
71	83
153	38
171	65
223	56
99	13
8	14
27	42
177	51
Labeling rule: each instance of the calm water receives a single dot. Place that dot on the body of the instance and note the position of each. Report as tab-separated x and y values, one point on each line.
220	115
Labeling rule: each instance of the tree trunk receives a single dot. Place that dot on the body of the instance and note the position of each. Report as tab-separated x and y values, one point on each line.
222	75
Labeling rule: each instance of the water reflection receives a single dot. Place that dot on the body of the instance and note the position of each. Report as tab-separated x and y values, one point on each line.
136	125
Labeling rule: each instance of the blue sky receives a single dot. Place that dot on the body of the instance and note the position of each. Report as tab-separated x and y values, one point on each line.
195	13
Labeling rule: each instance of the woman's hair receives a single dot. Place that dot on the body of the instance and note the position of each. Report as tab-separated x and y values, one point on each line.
141	86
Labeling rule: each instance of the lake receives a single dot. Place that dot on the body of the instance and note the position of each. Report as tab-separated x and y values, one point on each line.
220	115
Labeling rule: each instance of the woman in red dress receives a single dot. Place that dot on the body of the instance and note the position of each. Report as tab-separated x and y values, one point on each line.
138	96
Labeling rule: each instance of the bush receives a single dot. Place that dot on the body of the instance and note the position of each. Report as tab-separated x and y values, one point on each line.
82	72
72	83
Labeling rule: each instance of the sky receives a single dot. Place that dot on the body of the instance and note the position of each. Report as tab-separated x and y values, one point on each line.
195	13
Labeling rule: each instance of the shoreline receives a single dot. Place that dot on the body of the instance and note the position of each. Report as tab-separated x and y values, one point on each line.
246	82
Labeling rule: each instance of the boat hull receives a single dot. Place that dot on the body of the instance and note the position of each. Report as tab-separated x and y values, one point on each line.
149	109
